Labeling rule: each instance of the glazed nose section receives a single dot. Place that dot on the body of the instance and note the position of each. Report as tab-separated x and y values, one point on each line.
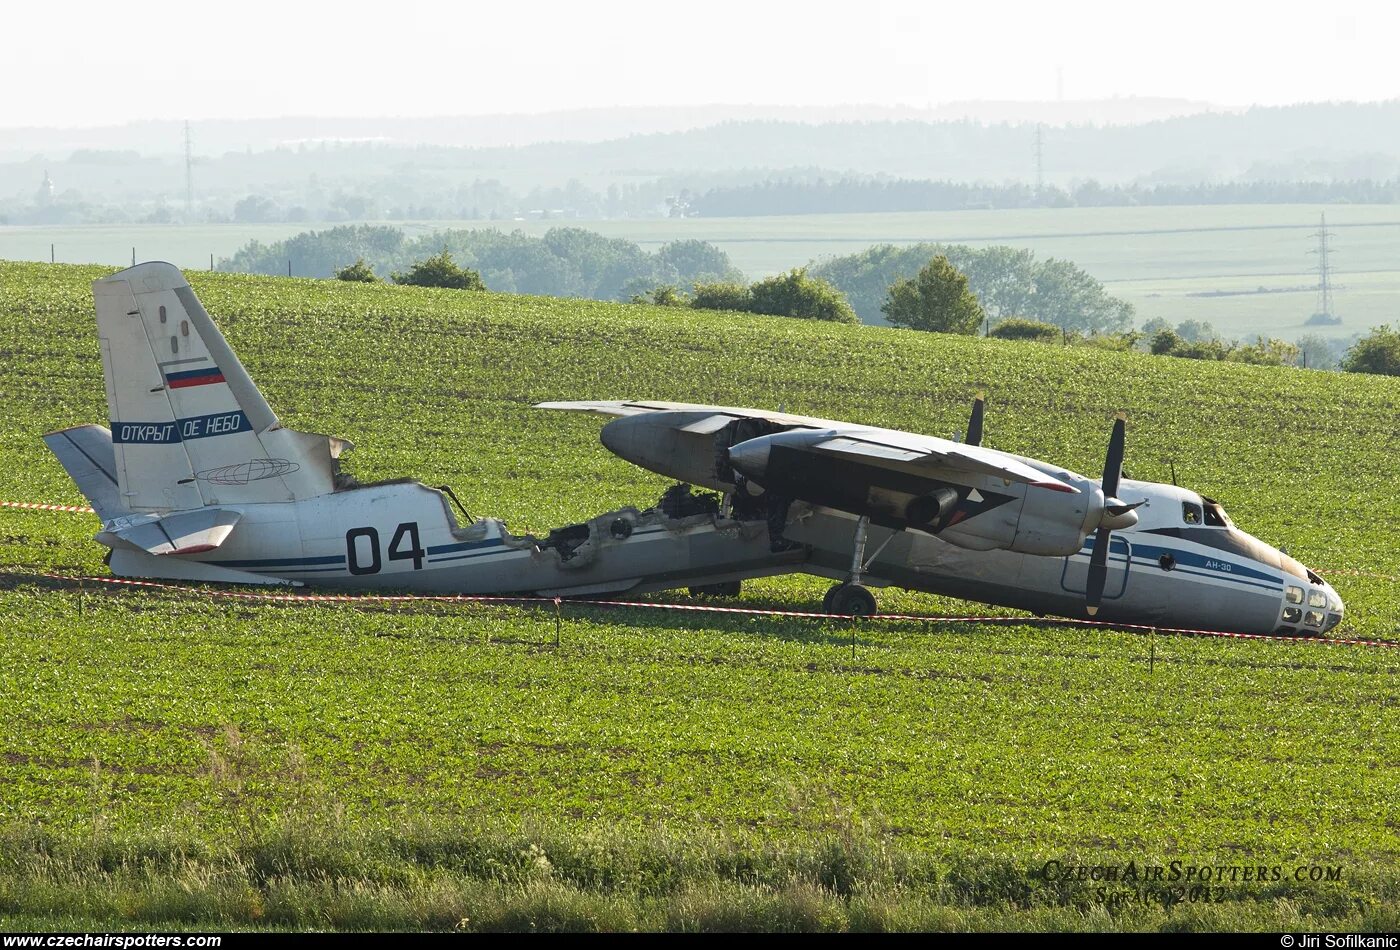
1312	606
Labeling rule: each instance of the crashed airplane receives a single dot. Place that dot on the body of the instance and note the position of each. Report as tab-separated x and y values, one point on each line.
198	480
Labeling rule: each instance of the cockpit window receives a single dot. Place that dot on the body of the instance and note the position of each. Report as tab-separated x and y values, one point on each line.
1190	512
1215	515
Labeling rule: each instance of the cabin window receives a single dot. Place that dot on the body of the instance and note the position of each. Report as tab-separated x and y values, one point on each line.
1190	512
1215	516
1294	595
1317	599
1292	614
1313	618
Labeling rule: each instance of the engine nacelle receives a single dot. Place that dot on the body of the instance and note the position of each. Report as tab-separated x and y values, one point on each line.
971	510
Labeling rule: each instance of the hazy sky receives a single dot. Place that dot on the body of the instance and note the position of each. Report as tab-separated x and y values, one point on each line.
84	63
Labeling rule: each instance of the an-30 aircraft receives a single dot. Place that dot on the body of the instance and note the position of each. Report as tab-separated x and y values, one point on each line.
198	480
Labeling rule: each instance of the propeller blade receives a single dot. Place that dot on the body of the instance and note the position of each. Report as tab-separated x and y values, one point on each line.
1117	514
1113	465
1098	572
974	425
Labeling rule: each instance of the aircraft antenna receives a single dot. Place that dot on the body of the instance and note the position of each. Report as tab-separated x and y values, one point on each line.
1324	269
189	172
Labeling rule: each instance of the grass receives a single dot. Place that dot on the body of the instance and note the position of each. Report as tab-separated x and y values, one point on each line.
178	760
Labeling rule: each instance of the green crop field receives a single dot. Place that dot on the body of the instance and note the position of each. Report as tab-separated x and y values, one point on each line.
1247	269
188	759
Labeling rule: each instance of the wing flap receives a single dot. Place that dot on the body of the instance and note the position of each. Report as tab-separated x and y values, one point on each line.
956	457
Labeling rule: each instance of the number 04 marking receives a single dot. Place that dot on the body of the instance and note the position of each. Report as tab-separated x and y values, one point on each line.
407	531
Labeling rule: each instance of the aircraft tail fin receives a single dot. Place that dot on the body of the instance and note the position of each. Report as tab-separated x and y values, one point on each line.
189	427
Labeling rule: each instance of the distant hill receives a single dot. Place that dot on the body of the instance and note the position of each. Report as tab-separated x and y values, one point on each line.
213	136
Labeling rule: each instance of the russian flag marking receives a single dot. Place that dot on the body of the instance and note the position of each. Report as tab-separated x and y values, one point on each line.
194	377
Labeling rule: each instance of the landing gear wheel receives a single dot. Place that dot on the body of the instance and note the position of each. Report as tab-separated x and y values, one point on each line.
828	597
722	589
852	600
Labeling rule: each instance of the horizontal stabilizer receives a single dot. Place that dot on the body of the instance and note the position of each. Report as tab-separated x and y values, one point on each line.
86	455
184	532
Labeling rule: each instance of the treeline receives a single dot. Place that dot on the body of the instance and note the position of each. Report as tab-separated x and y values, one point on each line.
864	195
1008	282
564	262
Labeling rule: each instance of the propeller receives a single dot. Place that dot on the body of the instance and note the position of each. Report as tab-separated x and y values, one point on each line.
974	425
1116	514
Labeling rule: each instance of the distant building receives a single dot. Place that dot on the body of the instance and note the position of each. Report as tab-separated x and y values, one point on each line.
44	196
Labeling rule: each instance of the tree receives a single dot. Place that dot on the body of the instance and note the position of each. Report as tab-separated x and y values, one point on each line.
1154	326
254	209
1002	277
1316	352
358	272
440	270
795	294
1196	331
1377	352
697	261
937	299
1068	297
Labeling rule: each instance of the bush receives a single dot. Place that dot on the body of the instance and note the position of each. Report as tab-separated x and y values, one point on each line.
358	272
1266	351
721	296
795	294
1015	328
440	270
1377	352
666	296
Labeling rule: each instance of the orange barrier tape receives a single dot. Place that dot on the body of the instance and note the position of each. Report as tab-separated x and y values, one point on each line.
708	608
38	506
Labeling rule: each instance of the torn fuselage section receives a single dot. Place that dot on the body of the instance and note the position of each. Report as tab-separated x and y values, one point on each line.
687	539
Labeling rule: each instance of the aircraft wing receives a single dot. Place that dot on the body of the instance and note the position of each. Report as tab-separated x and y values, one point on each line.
718	418
922	454
887	448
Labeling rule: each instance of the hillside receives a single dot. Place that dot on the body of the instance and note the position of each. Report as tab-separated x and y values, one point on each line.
175	758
